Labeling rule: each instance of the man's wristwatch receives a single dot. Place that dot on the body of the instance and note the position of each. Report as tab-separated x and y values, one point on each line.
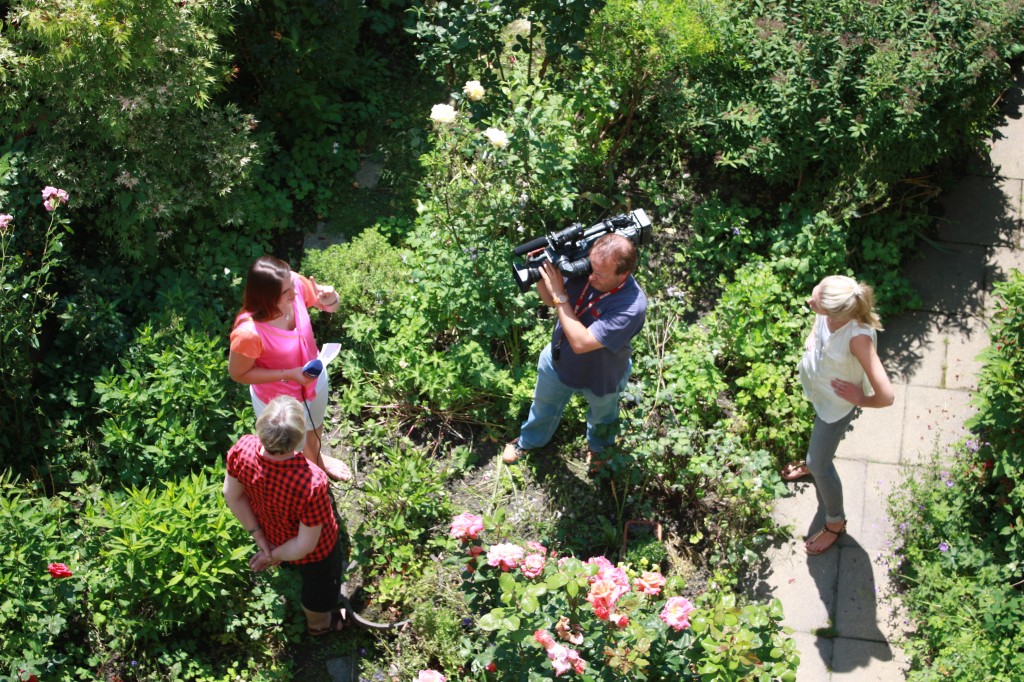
559	300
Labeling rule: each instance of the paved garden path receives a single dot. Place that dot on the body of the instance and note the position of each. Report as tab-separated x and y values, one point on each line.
844	628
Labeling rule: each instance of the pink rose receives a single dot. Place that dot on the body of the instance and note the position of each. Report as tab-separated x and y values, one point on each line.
569	631
466	526
619	620
533	565
505	555
5	220
600	561
565	659
649	582
602	596
537	547
677	613
430	676
59	570
544	638
53	197
559	656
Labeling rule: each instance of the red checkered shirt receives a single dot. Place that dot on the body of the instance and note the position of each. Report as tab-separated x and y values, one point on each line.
285	494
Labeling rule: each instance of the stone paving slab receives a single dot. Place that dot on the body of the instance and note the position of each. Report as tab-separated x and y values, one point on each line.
805	588
1000	261
876	528
861	610
949	277
857	660
933	349
982	211
934	421
815	657
877	434
1008	159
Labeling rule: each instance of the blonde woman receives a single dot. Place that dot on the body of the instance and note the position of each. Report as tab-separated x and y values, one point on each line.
840	371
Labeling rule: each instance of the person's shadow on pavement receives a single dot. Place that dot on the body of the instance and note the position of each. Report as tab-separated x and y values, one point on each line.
854	639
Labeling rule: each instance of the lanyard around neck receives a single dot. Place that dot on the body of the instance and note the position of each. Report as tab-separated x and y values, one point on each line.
590	304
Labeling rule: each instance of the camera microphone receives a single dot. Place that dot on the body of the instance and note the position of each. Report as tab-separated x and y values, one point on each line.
533	245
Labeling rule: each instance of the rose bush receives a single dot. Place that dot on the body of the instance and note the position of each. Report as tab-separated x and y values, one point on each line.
540	614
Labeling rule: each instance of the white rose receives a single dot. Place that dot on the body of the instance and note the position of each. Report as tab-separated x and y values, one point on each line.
473	90
442	113
496	137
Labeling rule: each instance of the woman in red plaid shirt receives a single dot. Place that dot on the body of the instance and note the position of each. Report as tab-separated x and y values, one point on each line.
284	501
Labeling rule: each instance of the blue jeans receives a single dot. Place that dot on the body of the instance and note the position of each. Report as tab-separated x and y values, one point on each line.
549	401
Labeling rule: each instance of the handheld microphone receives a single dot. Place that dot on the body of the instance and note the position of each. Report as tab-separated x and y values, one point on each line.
313	368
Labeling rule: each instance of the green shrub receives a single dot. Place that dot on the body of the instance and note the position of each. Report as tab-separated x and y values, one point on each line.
628	636
843	100
43	625
368	273
168	407
959	545
404	502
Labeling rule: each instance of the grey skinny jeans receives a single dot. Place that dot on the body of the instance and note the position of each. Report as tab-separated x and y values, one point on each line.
821	455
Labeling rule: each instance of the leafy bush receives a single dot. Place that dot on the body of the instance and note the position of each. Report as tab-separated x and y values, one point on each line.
29	259
169	407
404	501
138	134
156	583
538	611
843	99
42	624
368	274
960	544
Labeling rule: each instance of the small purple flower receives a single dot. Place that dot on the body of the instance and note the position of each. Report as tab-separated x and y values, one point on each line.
973	445
949	483
736	231
5	220
943	547
53	197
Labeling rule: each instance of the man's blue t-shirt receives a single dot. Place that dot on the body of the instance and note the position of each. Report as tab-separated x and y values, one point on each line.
613	320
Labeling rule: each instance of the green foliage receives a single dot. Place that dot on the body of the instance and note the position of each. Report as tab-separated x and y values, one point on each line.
761	322
959	545
616	638
169	557
138	135
368	274
456	38
404	502
31	253
41	621
843	99
154	590
168	405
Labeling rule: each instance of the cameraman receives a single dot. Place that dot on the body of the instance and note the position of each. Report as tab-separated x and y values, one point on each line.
589	350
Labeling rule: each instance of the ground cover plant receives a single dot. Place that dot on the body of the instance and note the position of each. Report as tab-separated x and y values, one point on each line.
960	544
164	177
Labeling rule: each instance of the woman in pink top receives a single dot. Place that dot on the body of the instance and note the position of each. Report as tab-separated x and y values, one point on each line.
272	341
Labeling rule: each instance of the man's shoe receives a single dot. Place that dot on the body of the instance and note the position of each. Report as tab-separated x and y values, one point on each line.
512	452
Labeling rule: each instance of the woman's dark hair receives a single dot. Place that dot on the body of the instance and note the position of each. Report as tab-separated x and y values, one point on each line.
263	286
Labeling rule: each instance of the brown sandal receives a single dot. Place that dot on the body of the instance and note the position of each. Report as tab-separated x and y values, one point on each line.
794	471
824	529
339	620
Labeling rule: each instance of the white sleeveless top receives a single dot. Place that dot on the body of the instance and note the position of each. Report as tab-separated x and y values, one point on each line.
831	359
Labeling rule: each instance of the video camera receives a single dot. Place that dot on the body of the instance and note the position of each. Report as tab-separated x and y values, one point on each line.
568	249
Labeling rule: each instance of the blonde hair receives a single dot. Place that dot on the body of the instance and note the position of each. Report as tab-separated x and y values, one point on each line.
847	299
281	427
